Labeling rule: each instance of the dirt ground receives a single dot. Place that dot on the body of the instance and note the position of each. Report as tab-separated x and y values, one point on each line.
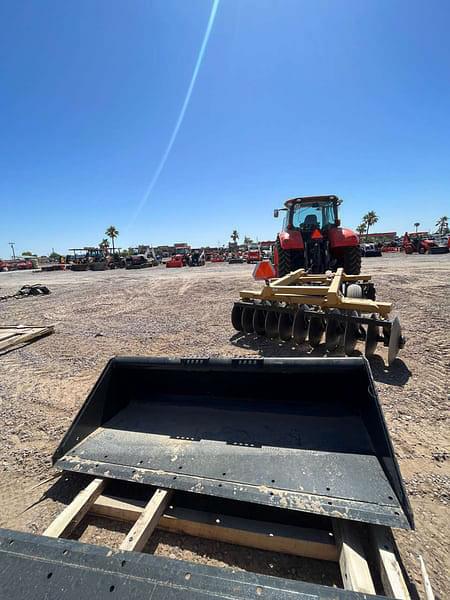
186	312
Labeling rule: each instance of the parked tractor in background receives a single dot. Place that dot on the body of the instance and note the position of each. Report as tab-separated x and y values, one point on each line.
254	254
312	238
422	245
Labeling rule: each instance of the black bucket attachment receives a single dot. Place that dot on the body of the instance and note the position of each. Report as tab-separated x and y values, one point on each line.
302	434
37	567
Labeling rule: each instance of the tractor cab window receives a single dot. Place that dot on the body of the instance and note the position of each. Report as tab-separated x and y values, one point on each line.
318	215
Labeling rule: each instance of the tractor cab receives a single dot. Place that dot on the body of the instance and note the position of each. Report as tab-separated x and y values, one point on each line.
309	214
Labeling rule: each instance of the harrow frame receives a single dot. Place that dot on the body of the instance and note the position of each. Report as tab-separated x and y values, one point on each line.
325	292
321	299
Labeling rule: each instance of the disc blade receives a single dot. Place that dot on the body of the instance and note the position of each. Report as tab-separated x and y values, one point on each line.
236	317
259	321
372	337
334	331
271	326
247	319
285	323
315	330
300	326
351	333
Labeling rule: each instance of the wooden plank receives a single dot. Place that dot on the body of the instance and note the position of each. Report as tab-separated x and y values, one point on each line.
28	336
274	537
147	521
66	521
352	561
429	594
117	508
4	335
391	573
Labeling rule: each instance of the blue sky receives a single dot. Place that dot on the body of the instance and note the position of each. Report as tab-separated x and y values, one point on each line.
350	97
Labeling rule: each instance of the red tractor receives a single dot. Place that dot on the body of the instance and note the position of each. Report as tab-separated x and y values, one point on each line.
417	243
313	239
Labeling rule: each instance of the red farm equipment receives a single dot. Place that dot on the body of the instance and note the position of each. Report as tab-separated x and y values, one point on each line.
175	262
425	245
254	254
313	239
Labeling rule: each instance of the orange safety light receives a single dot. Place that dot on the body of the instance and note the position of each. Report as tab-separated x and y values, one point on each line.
316	235
264	270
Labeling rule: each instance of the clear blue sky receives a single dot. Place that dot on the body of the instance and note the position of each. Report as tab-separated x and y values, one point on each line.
297	97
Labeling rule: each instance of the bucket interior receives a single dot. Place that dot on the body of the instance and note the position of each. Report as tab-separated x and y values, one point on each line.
300	435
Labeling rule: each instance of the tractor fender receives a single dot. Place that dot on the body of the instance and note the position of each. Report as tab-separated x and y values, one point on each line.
341	237
291	240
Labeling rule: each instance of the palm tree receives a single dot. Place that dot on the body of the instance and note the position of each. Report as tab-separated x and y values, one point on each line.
104	245
416	225
361	229
369	219
112	233
442	226
235	235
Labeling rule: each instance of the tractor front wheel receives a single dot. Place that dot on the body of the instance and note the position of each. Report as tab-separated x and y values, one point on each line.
352	261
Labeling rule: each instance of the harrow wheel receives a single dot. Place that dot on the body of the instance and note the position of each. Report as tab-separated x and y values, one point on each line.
351	335
285	323
396	341
271	325
372	337
334	331
259	321
300	326
236	317
247	319
316	329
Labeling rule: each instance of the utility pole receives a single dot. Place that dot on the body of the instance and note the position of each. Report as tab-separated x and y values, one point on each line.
12	249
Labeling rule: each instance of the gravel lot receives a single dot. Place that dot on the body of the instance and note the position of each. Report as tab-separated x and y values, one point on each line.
185	312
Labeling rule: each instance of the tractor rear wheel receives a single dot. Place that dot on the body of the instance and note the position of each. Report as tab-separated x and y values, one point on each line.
352	261
284	260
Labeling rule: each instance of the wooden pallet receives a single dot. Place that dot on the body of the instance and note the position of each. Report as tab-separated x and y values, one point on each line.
12	335
346	546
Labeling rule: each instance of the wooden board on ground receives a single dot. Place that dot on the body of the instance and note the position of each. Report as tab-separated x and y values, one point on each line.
274	537
11	335
147	521
346	546
66	521
352	560
392	577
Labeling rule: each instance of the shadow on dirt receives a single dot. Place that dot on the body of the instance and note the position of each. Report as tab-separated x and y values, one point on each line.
67	487
397	374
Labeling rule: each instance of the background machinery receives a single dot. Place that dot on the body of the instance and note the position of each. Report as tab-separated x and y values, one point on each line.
254	254
313	239
434	244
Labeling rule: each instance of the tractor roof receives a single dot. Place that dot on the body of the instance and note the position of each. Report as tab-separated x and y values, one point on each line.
309	199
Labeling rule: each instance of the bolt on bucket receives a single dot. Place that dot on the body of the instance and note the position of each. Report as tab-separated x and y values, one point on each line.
301	434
